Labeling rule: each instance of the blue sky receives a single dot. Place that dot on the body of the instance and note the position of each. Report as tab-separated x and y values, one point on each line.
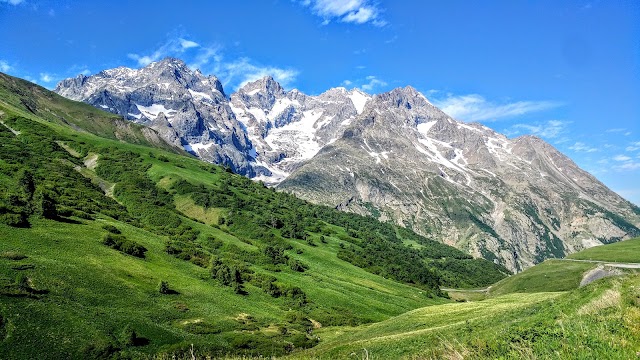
567	71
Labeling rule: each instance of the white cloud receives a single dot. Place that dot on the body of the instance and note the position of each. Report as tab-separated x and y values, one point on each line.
188	44
621	158
624	163
551	129
348	11
633	146
368	84
623	131
4	66
373	83
474	107
210	59
78	69
173	47
628	166
205	56
582	147
243	71
12	2
44	77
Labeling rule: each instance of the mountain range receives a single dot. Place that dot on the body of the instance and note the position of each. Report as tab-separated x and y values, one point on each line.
394	156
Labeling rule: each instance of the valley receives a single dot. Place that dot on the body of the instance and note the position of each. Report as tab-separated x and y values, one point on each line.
121	250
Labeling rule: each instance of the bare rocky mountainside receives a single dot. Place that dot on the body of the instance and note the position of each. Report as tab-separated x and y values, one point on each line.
394	156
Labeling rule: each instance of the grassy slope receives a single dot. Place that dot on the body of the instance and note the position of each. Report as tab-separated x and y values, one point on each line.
560	275
539	313
551	275
600	321
82	294
624	251
94	291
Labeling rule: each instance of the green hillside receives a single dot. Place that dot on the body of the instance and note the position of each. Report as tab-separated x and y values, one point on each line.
564	275
599	321
623	251
119	249
540	313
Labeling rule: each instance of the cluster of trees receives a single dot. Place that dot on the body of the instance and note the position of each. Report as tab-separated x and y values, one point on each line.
255	212
37	178
33	185
122	244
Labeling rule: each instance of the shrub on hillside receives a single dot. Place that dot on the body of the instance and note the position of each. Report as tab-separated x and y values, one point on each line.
122	244
110	228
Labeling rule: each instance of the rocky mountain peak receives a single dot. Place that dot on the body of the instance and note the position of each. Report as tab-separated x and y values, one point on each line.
265	85
407	97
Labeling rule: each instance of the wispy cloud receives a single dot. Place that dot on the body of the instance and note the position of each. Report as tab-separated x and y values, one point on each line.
210	59
47	78
622	158
173	47
373	83
474	107
633	146
551	129
348	11
12	2
245	71
5	67
79	69
206	56
582	147
623	131
368	84
625	163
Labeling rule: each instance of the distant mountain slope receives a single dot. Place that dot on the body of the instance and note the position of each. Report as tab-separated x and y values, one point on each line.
518	201
394	156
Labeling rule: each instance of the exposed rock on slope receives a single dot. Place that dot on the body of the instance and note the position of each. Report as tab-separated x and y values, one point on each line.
515	201
184	106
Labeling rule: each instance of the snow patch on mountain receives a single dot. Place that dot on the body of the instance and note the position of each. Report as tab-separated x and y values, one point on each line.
154	110
358	99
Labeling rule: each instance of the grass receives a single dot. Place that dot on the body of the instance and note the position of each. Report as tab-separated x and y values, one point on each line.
599	321
86	280
78	296
549	276
624	251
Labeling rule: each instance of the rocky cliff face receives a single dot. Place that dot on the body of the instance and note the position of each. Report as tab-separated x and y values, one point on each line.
394	156
288	128
184	106
515	201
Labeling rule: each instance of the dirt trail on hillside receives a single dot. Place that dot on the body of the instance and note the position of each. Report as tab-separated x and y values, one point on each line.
15	132
614	264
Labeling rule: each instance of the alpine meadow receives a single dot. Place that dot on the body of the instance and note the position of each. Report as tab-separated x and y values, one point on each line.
319	179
